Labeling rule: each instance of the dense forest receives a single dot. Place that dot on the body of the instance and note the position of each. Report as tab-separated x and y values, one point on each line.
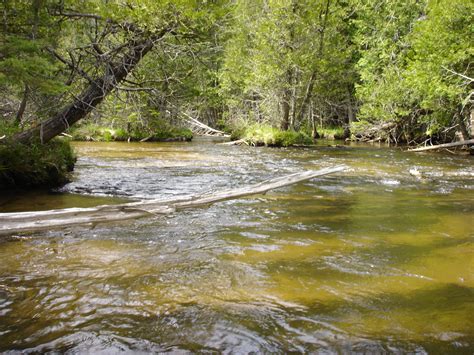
366	70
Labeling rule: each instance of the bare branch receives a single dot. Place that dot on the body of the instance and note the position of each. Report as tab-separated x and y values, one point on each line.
459	74
72	65
123	88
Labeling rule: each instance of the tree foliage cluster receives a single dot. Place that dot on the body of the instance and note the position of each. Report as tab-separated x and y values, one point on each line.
380	69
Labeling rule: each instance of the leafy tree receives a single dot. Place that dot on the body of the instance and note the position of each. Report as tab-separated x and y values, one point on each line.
440	66
281	60
26	68
415	66
101	43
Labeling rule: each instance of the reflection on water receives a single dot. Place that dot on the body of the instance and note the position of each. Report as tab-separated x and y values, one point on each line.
370	260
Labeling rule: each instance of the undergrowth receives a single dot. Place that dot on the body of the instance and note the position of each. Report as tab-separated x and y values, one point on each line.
35	165
92	132
259	134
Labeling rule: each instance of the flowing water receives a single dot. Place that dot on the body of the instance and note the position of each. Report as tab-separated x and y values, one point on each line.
369	260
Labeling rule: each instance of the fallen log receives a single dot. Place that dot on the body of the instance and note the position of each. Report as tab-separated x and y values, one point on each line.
440	146
146	138
21	222
237	142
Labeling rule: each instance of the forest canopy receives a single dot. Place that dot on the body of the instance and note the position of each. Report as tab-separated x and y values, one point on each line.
376	69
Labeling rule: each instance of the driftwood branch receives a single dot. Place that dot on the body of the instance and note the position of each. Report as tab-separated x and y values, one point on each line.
237	142
11	223
440	146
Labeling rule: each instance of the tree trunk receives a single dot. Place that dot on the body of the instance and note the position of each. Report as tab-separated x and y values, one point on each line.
350	116
445	145
92	95
256	107
462	127
314	130
307	96
21	109
471	119
312	79
285	105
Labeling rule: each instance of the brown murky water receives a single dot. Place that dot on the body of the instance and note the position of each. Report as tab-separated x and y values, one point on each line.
369	260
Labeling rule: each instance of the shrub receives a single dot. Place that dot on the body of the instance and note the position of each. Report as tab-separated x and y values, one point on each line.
35	165
331	132
159	132
271	136
289	138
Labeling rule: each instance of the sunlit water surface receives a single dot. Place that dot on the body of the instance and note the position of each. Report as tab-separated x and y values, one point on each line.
369	260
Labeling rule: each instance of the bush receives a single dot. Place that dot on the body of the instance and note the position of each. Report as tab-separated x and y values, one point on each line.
270	136
331	132
35	165
120	135
159	132
8	128
173	133
289	138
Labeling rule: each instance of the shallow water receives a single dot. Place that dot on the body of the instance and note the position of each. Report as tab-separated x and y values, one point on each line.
368	260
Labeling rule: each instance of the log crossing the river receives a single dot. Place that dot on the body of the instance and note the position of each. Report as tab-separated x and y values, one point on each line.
20	222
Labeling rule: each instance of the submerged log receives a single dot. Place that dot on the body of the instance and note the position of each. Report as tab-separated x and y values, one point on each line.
11	223
440	146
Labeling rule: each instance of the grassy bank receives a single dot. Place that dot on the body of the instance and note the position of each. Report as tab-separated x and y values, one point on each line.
38	165
91	132
265	135
331	133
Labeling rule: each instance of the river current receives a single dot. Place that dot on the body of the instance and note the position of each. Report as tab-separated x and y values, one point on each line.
368	260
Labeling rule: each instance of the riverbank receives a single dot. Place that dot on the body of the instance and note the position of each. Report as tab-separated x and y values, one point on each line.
36	165
266	135
96	133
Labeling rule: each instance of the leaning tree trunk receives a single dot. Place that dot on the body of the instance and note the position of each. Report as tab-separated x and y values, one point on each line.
307	96
462	127
92	95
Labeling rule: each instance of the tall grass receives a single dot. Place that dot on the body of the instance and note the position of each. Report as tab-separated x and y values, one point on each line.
260	134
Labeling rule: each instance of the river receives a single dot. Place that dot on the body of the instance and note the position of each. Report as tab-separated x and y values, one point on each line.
369	260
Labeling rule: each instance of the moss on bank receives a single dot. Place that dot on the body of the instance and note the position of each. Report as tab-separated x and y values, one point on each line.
91	132
35	165
266	135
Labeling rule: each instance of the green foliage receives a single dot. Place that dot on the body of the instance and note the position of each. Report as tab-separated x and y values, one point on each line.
331	132
292	138
410	54
8	128
35	165
27	31
382	36
279	50
157	132
441	47
260	134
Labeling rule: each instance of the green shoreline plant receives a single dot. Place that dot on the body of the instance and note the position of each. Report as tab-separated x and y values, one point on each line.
266	135
93	132
36	165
